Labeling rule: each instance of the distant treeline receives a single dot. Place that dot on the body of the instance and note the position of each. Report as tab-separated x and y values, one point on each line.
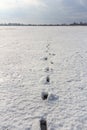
20	24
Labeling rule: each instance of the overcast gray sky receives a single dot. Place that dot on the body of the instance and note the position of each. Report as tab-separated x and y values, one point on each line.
43	11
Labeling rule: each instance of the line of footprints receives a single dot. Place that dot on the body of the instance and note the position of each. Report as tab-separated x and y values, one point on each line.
45	95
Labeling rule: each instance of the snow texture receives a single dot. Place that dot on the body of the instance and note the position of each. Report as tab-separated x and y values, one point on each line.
27	56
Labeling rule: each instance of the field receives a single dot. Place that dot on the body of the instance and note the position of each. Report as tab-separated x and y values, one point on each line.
38	61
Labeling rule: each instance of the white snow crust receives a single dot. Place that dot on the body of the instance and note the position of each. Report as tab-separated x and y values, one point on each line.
23	72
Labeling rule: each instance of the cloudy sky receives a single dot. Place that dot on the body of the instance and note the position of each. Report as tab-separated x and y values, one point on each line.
43	11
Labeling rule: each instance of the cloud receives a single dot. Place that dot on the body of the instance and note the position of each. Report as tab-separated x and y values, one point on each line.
6	4
43	11
83	3
11	4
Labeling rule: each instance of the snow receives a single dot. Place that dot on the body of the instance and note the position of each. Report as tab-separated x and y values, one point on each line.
23	72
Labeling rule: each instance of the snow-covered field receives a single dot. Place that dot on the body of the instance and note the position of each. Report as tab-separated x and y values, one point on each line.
28	55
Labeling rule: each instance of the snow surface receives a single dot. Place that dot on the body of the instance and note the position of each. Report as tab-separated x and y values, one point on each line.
23	72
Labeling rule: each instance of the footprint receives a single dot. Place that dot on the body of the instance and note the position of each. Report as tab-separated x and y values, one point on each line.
47	69
44	95
43	124
45	58
47	79
52	97
50	54
48	45
51	62
53	54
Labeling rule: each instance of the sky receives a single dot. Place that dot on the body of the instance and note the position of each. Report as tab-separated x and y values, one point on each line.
43	11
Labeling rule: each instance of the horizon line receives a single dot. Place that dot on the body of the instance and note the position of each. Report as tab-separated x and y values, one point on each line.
55	24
